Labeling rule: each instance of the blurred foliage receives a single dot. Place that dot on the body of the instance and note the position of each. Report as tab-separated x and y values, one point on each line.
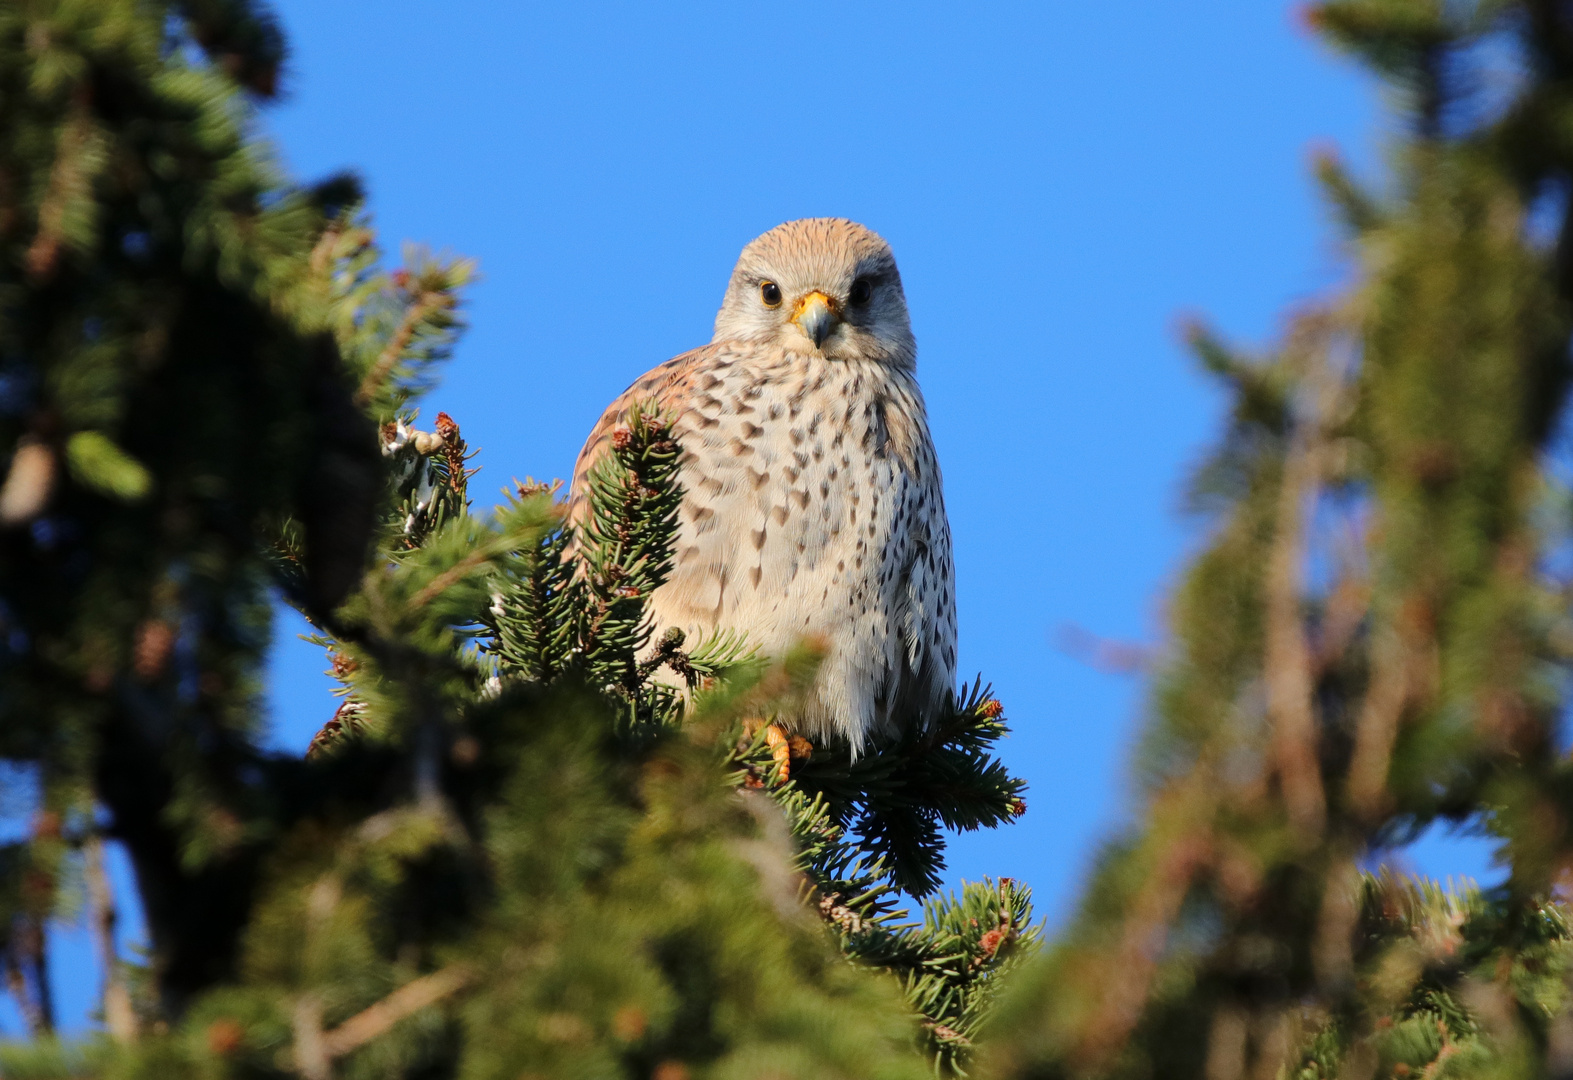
542	836
539	836
1375	639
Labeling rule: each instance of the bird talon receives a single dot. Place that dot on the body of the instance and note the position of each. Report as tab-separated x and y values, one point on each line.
787	750
801	749
780	749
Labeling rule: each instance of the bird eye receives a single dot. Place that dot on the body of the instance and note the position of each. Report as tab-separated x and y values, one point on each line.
862	291
770	293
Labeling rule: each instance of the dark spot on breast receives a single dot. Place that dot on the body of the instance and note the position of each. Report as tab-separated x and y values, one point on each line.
755	574
758	536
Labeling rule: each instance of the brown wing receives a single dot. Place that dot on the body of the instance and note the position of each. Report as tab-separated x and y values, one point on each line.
666	384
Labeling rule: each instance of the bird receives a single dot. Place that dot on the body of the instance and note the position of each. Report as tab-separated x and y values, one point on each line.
813	505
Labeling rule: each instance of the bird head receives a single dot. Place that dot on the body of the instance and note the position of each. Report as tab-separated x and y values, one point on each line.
823	286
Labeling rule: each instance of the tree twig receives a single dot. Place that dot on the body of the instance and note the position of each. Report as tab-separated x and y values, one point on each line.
378	1019
119	1015
413	317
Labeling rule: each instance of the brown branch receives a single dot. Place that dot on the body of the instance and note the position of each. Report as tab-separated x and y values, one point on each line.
16	982
67	180
1333	954
311	1055
119	1015
455	573
1226	1044
1289	664
1287	661
27	975
414	315
1274	1044
407	1000
1377	729
770	854
1129	973
1342	617
321	260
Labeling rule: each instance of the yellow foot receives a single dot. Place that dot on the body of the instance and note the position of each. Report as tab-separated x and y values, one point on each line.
786	750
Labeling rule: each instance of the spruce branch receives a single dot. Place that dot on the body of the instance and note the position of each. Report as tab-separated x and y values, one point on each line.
507	776
410	321
376	1020
423	307
68	196
942	775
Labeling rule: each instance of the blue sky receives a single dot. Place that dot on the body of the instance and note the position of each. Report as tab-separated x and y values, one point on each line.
1061	183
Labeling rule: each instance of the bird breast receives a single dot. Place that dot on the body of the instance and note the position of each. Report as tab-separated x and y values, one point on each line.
804	479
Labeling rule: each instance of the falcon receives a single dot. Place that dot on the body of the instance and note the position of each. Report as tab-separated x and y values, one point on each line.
812	499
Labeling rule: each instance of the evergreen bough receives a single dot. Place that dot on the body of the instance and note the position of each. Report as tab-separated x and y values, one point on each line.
543	836
540	836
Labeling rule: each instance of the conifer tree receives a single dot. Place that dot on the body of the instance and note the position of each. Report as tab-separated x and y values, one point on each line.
513	850
1375	639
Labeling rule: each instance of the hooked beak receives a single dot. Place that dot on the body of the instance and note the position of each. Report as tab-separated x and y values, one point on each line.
816	317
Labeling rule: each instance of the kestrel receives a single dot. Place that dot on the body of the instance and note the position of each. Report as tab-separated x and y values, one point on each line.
812	504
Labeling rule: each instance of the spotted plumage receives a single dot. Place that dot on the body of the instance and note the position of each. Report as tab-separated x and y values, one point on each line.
812	505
